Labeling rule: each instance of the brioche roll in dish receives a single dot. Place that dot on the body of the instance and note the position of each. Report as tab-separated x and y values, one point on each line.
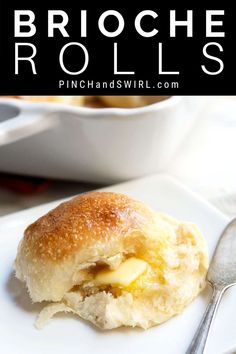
99	101
111	260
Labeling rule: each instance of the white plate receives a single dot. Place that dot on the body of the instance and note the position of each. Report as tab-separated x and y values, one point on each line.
69	334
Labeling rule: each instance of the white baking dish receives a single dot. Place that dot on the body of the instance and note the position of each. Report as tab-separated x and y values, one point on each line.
92	144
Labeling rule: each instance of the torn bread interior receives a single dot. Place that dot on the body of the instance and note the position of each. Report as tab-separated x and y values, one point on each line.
113	261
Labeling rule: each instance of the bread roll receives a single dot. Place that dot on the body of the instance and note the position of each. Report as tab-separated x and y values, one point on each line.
76	100
98	101
130	101
111	260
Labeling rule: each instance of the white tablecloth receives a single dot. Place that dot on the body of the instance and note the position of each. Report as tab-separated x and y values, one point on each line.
206	161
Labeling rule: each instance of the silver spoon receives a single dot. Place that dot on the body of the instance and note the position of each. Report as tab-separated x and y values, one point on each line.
221	275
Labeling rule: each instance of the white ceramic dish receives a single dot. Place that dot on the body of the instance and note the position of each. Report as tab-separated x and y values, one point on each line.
93	144
69	334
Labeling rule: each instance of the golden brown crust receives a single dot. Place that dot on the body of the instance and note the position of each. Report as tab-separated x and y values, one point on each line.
82	221
60	252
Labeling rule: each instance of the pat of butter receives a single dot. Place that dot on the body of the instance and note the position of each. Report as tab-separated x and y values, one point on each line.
124	275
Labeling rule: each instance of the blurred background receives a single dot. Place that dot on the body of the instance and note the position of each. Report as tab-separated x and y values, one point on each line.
205	161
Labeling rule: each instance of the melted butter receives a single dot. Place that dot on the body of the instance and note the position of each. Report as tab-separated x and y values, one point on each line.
124	275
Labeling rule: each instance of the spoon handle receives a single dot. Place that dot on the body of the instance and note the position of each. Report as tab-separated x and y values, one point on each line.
198	343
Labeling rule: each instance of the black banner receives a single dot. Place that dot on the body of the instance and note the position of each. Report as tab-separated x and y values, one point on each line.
78	48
